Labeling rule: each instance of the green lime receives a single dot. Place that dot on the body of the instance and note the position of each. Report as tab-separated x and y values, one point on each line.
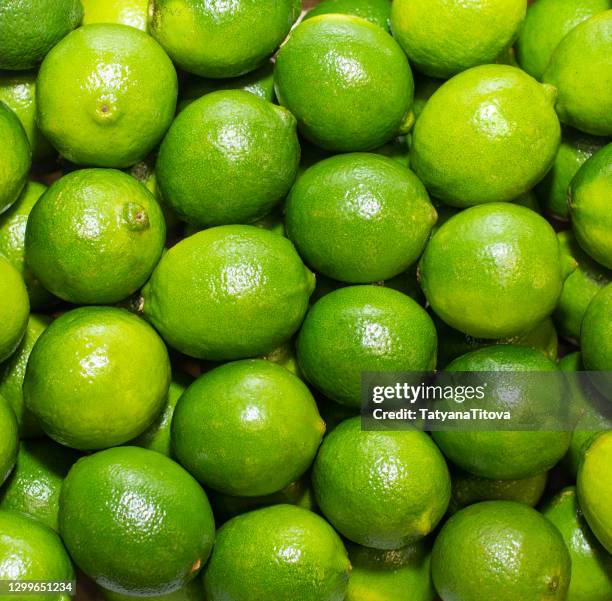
377	12
239	36
579	287
15	156
96	377
106	95
192	591
396	575
487	135
575	149
500	550
493	270
135	521
546	24
381	489
12	373
589	204
580	69
34	486
596	332
595	488
261	411
28	30
18	92
442	38
591	565
29	551
12	241
95	236
359	217
281	552
14	309
505	454
396	149
126	12
347	82
285	356
228	292
9	439
229	157
363	329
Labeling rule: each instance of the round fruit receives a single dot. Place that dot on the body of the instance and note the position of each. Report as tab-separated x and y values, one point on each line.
34	486
359	217
347	82
28	30
14	309
9	439
581	70
591	565
95	236
596	335
487	135
363	329
238	35
282	553
493	270
126	12
381	489
377	12
229	157
261	411
106	95
589	203
228	292
97	377
500	550
15	156
595	488
135	522
442	38
546	24
30	550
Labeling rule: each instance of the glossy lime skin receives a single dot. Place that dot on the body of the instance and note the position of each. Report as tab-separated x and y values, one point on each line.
229	157
239	36
30	550
397	575
12	241
215	286
15	157
14	309
546	24
9	440
95	236
377	12
359	217
28	30
282	553
589	203
381	489
135	521
500	550
363	328
595	488
192	591
581	70
442	38
106	95
34	485
96	377
576	147
480	269
508	455
18	92
347	82
591	565
126	12
487	135
247	428
579	287
12	373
